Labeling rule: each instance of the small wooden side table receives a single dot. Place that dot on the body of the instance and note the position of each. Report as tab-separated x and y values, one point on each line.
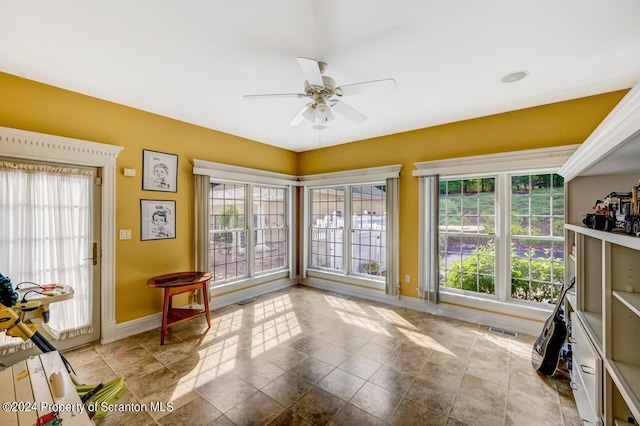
177	283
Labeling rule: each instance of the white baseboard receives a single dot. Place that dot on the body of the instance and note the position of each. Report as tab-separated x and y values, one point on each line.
509	322
113	332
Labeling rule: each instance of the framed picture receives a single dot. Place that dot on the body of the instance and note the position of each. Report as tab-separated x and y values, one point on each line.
159	171
157	219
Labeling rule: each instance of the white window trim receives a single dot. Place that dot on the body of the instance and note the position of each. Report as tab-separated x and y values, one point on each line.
42	147
502	165
515	161
350	177
243	175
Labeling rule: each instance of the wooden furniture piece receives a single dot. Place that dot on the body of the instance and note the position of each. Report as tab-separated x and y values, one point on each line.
40	388
604	312
178	283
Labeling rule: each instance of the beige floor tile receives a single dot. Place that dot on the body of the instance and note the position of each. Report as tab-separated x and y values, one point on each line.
377	352
351	415
394	381
360	366
258	409
522	408
196	412
311	369
435	397
287	389
289	418
318	406
488	371
341	384
286	357
259	374
411	413
376	400
442	374
471	411
226	392
484	390
332	355
310	356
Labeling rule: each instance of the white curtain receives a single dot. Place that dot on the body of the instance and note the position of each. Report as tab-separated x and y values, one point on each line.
45	237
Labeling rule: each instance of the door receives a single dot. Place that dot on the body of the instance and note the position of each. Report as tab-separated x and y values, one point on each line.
50	234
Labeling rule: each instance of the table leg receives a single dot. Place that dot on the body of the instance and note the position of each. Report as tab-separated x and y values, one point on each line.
165	314
205	295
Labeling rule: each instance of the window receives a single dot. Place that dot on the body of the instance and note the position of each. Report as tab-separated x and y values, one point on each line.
327	228
229	205
270	249
228	244
351	228
366	222
537	243
468	229
467	234
499	228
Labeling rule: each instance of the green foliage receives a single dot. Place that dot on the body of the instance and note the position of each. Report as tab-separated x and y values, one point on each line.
475	273
531	275
231	218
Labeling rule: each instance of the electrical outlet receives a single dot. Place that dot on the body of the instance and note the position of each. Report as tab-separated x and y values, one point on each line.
407	278
125	234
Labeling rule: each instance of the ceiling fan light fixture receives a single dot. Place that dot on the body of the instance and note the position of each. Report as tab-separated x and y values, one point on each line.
310	114
515	76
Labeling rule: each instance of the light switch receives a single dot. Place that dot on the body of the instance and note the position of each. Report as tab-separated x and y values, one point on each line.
129	172
125	234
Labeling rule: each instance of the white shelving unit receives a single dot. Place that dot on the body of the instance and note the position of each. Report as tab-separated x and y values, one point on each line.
605	322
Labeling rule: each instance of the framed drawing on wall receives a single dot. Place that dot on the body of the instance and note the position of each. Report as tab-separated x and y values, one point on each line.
157	219
159	171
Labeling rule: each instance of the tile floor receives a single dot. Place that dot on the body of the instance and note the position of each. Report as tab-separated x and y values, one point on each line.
303	356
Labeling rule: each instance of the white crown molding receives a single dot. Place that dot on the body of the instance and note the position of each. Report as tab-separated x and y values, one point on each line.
494	163
43	147
352	176
39	146
622	123
241	174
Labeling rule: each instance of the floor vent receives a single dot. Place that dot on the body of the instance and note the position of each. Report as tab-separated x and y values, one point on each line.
501	331
244	302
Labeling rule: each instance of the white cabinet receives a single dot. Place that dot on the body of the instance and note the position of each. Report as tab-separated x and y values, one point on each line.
605	322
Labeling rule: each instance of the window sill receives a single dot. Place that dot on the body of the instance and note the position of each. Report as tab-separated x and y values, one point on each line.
480	303
347	279
244	283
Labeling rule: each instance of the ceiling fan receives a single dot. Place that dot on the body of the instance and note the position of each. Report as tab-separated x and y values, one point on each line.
325	96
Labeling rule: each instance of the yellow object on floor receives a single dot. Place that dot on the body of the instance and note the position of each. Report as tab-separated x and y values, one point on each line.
108	395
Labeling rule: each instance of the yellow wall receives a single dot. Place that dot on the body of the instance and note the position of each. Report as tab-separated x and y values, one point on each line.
36	107
28	105
563	123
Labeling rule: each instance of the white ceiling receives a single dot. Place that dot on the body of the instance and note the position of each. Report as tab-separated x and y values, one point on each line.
194	60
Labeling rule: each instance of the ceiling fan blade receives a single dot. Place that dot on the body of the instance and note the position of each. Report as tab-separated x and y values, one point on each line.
311	71
385	85
301	116
274	96
349	112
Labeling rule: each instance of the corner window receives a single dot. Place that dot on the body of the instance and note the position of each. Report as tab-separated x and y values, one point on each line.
352	217
241	248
